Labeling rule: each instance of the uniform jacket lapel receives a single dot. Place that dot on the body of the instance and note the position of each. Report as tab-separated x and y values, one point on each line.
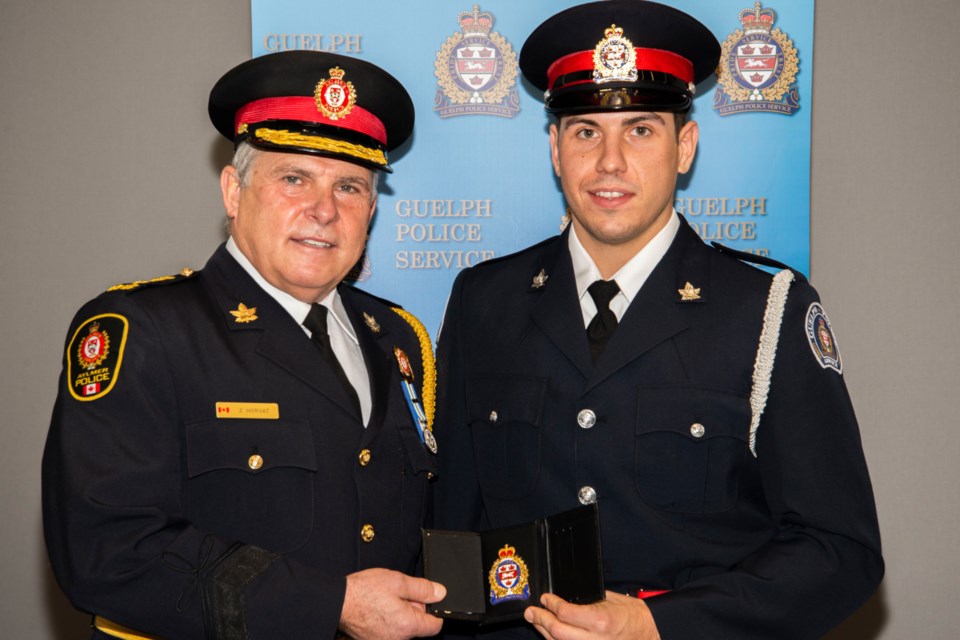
657	312
552	311
376	347
282	340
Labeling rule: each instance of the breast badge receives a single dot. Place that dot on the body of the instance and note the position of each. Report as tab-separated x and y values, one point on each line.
476	70
413	400
758	67
508	577
94	356
822	342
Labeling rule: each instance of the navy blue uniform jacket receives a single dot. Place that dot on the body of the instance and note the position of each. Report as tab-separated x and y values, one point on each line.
153	516
782	545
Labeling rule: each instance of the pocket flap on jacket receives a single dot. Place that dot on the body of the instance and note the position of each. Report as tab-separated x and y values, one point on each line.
505	398
254	446
697	414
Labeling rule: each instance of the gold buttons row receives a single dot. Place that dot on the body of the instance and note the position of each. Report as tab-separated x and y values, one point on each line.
367	533
256	461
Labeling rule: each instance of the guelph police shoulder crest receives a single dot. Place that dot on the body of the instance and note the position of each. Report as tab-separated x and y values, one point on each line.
758	67
820	336
476	70
94	356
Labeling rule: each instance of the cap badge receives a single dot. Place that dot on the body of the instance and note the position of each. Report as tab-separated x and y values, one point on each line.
614	58
335	97
540	279
689	292
508	577
244	314
371	322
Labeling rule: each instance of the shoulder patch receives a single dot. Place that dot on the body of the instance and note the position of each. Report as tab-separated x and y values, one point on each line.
186	272
94	356
821	338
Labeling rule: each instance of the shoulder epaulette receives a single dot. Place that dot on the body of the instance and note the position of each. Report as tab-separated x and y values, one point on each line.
186	272
755	259
367	294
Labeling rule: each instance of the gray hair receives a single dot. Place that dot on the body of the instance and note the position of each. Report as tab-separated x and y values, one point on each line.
246	153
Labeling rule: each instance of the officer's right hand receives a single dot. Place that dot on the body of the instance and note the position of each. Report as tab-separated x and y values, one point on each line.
381	604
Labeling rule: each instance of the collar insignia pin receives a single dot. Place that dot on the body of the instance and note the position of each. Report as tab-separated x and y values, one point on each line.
689	292
371	322
540	279
243	314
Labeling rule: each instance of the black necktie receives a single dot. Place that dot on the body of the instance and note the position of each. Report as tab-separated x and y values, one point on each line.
316	322
603	324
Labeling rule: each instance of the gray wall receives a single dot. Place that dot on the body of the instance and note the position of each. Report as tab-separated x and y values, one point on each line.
109	172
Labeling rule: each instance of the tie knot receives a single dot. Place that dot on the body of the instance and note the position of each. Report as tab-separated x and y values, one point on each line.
602	292
316	320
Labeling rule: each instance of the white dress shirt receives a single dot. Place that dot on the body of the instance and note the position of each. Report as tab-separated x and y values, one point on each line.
343	339
630	277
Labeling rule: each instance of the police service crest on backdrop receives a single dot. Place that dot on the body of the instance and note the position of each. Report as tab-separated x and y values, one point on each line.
758	67
476	70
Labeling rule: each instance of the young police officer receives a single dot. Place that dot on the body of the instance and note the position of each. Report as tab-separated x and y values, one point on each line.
697	400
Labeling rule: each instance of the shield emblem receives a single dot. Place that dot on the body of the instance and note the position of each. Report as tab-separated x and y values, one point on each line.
757	63
507	574
476	66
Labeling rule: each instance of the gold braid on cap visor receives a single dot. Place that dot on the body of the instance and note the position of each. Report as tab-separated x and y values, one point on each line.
286	138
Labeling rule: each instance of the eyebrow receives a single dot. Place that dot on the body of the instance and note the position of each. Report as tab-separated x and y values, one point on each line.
285	169
361	180
646	116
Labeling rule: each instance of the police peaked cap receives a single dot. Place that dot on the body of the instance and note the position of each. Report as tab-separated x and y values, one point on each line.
619	54
316	103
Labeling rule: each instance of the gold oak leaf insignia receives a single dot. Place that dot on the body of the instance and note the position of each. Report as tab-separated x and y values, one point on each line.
540	279
242	314
689	292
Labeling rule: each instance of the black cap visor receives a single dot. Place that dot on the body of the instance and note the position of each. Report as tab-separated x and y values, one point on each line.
585	98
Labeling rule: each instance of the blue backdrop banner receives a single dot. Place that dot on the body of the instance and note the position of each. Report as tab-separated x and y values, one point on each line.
475	181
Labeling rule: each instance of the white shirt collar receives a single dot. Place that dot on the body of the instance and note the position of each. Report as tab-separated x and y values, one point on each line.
297	309
630	277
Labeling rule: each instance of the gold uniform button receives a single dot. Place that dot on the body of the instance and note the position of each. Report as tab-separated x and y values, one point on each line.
364	457
255	462
367	533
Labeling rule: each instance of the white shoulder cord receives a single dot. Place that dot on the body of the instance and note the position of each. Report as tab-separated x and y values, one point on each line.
767	351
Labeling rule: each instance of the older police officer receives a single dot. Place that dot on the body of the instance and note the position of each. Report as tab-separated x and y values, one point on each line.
244	451
697	400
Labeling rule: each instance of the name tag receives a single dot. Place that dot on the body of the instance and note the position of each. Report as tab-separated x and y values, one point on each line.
249	410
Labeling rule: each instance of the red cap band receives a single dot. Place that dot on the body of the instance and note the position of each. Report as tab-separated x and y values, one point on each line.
647	60
304	108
